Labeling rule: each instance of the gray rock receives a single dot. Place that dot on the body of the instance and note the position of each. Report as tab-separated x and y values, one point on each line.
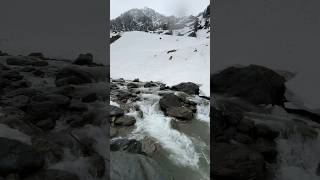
52	174
181	113
16	157
84	59
125	121
128	166
70	75
116	111
187	87
236	162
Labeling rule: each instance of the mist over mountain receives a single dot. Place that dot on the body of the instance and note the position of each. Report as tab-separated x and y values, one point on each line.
147	19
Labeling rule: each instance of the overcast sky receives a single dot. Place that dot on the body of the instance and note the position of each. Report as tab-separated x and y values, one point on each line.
58	28
165	7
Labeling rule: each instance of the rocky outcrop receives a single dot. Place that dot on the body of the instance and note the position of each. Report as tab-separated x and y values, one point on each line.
177	107
256	84
188	87
18	158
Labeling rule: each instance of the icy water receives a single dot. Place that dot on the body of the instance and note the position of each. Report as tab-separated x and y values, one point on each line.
185	147
298	145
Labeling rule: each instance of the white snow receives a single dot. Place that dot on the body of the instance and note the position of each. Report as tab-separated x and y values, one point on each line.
144	56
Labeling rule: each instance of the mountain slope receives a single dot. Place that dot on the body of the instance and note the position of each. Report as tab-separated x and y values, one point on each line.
146	56
149	20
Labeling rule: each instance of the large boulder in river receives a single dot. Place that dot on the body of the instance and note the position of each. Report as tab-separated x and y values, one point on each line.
176	106
130	166
19	158
236	162
187	87
70	75
256	84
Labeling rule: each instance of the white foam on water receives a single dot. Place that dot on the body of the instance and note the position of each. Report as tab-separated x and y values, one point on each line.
155	124
298	158
7	132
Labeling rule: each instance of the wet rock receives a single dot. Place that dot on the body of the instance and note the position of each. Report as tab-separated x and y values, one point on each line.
27	69
188	87
70	75
125	121
97	166
52	151
132	85
169	101
181	113
16	157
236	162
46	124
19	101
256	84
78	106
37	54
243	138
265	132
23	61
130	166
246	126
38	73
37	111
84	59
90	98
318	170
113	132
150	84
116	111
124	96
52	174
129	145
268	149
11	75
136	80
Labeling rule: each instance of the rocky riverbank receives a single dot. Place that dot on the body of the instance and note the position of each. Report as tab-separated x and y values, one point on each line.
53	118
158	132
255	135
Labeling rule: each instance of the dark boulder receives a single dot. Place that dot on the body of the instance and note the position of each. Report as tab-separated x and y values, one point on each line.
90	98
37	54
128	145
38	73
266	132
150	84
16	157
130	166
84	59
181	113
132	85
52	174
187	87
267	148
115	111
177	107
236	162
74	76
125	121
256	84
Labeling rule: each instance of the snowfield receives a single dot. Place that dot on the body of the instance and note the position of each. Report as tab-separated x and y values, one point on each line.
145	56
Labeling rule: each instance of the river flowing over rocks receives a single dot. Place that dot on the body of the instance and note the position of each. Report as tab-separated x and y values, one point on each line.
259	132
53	118
158	132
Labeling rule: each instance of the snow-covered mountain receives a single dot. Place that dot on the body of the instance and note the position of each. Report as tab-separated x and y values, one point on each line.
149	20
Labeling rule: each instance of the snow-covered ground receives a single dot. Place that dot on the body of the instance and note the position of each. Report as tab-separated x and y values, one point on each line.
145	56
